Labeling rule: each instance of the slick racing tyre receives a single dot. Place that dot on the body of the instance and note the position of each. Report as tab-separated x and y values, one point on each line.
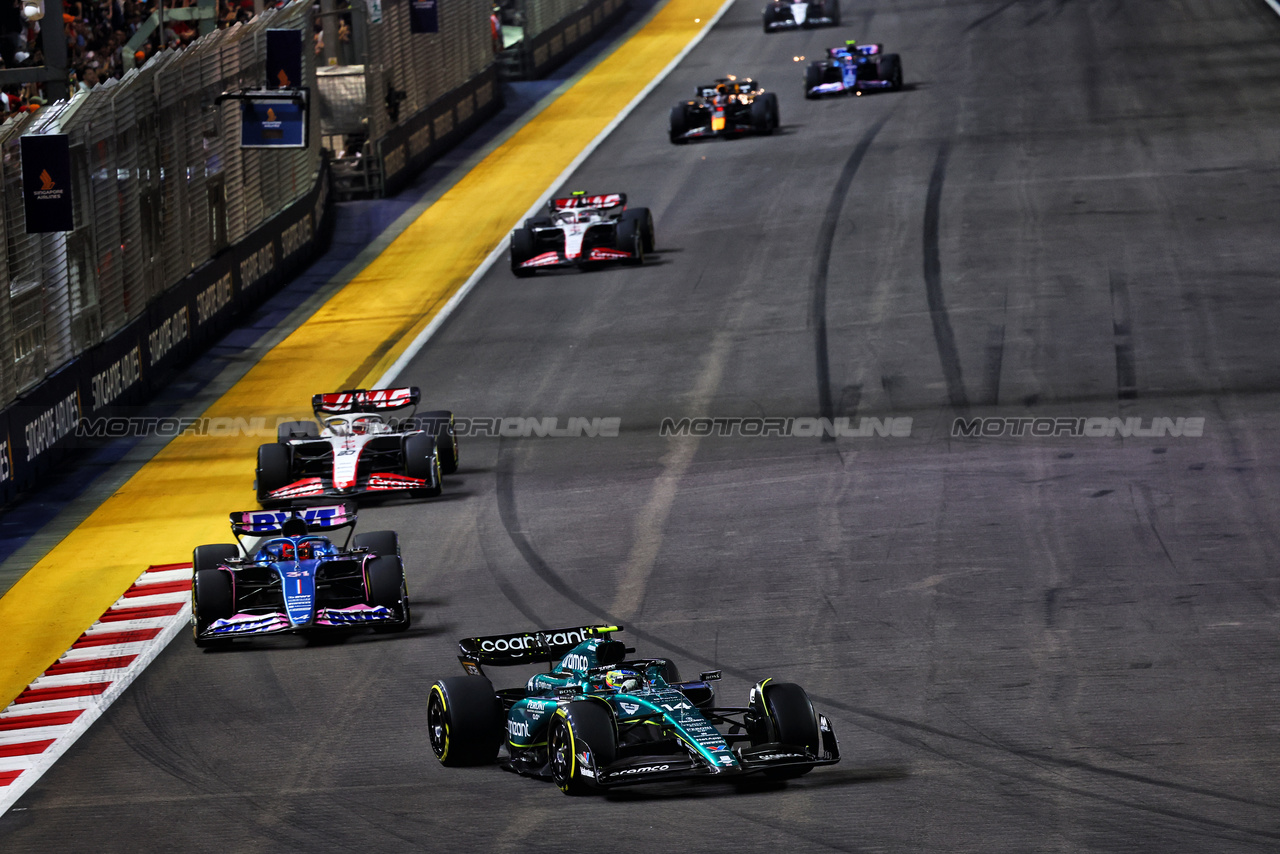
792	721
771	98
812	77
761	116
521	250
423	462
297	430
890	68
631	239
464	721
273	469
209	557
679	124
440	424
381	543
386	586
583	723
642	216
211	600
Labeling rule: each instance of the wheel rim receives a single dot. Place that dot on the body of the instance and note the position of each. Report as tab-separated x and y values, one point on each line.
561	754
437	727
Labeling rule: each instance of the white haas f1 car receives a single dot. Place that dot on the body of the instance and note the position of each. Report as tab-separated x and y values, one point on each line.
286	575
358	450
789	15
581	230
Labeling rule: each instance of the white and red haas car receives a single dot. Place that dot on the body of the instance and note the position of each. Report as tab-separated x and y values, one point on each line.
366	441
582	230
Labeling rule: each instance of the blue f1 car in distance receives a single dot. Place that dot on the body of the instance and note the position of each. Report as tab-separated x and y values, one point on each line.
853	69
598	719
285	574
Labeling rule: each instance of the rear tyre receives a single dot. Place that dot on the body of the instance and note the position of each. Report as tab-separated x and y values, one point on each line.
211	600
440	424
421	460
381	543
273	470
580	724
464	721
297	430
890	68
642	216
792	721
771	98
521	251
679	124
761	116
812	77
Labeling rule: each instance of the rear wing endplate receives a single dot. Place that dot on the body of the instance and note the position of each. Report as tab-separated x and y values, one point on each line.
536	647
365	400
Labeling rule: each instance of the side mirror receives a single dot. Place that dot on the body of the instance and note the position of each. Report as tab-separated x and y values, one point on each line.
710	676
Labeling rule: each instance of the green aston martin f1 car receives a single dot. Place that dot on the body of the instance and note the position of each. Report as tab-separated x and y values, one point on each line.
598	719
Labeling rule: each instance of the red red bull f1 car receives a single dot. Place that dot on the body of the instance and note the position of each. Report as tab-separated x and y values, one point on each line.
582	230
363	442
727	108
285	573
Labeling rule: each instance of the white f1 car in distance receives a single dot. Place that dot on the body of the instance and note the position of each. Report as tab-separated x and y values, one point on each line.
794	14
580	230
360	449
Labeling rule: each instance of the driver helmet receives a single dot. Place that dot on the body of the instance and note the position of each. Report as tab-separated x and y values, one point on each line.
306	550
279	550
850	43
360	426
626	681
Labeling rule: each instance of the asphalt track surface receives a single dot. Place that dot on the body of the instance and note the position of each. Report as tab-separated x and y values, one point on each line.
1025	644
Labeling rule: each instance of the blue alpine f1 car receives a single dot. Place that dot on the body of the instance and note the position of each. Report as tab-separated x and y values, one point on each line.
286	574
598	719
852	69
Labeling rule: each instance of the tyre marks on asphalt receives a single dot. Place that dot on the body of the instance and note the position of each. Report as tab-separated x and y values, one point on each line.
821	270
943	335
1122	329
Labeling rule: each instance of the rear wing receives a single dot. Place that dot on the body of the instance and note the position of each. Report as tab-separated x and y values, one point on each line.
535	647
328	517
581	200
864	49
365	400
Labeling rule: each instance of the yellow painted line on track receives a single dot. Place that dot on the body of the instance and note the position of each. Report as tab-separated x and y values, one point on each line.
181	498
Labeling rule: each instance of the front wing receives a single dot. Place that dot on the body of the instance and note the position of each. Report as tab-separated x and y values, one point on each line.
277	622
318	487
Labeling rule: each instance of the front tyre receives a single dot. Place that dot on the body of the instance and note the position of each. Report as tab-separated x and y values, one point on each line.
679	124
274	470
464	721
211	600
792	721
385	585
522	246
421	461
581	727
